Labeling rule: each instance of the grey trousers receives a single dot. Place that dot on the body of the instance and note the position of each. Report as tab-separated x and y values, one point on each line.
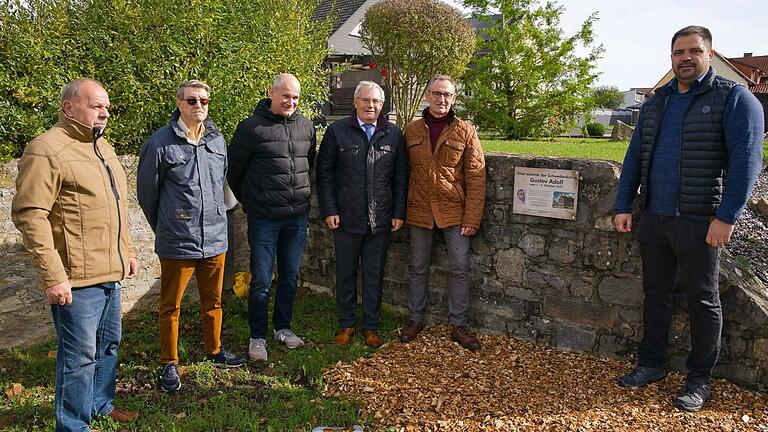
458	264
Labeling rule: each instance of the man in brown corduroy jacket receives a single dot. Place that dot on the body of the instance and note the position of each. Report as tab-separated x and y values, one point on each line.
446	191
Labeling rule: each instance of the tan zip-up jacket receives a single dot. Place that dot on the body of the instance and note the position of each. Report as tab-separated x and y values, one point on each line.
447	187
67	210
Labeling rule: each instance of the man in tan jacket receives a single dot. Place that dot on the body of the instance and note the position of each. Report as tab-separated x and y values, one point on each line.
446	190
71	208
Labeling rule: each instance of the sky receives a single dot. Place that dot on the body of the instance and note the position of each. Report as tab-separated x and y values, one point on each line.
636	35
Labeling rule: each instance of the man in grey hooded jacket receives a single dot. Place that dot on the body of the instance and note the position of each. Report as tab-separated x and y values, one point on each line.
180	186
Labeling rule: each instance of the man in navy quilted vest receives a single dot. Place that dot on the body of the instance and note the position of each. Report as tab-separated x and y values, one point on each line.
692	162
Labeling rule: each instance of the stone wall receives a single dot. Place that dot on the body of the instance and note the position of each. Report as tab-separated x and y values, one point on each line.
622	131
25	317
573	285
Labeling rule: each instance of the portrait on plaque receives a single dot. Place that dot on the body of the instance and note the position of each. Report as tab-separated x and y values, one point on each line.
546	192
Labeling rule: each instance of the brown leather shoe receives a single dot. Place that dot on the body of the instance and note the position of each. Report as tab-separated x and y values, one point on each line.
344	335
465	338
410	331
122	416
372	338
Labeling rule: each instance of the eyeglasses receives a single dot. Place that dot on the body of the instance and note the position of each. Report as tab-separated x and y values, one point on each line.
376	102
438	95
194	101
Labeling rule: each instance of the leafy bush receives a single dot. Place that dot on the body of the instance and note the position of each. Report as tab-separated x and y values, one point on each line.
141	50
416	40
595	129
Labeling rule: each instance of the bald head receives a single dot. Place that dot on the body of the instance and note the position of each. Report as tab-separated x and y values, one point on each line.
284	94
86	102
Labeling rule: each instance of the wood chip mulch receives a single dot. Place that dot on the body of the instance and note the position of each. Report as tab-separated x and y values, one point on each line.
432	384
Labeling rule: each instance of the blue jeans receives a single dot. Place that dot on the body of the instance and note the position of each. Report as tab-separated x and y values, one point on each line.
267	238
88	332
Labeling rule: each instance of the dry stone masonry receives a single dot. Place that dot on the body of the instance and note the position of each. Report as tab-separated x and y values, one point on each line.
573	285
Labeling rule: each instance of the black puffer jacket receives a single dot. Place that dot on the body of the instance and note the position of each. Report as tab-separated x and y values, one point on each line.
364	183
269	161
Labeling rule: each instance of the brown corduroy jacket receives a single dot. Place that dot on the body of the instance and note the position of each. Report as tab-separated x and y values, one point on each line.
67	211
446	187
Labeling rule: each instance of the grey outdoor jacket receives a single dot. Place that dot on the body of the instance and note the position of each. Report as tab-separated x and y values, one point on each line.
180	188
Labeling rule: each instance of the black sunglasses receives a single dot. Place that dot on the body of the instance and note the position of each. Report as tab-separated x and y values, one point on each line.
193	101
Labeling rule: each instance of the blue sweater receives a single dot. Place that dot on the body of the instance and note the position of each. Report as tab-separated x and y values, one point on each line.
743	128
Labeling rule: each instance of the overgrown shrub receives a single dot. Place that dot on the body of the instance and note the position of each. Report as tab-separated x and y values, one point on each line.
142	49
414	40
595	129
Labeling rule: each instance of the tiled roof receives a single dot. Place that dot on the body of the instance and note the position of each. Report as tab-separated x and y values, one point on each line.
759	88
759	62
341	9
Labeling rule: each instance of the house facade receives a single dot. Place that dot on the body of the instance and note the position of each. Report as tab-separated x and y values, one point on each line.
347	54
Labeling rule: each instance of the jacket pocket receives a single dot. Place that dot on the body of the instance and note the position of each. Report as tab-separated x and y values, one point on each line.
181	166
87	191
414	150
453	152
348	155
217	166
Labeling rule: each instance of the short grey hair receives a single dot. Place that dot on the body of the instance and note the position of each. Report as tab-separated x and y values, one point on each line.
192	84
70	91
369	84
441	78
279	78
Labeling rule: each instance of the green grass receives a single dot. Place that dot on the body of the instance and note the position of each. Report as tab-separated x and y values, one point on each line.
282	395
569	147
562	147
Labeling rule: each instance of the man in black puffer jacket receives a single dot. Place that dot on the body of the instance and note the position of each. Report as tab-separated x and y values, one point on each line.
269	161
362	188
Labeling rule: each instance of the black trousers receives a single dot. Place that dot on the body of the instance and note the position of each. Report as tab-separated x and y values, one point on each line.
669	245
369	251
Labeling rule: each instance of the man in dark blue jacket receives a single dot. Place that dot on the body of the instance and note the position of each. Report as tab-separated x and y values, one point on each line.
270	157
180	186
695	155
362	189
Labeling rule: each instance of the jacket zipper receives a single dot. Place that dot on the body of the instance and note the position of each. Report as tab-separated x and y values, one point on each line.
113	185
680	154
293	164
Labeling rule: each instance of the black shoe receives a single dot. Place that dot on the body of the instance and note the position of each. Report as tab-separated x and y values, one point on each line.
692	396
228	359
642	375
169	378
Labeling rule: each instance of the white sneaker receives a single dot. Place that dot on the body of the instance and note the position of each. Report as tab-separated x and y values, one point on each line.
257	350
288	338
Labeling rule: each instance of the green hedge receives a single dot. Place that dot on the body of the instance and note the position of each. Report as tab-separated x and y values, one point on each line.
142	49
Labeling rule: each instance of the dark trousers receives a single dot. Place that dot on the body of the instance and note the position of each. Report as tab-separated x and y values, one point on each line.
669	244
370	251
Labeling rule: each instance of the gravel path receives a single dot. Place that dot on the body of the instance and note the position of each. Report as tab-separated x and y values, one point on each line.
432	384
750	236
